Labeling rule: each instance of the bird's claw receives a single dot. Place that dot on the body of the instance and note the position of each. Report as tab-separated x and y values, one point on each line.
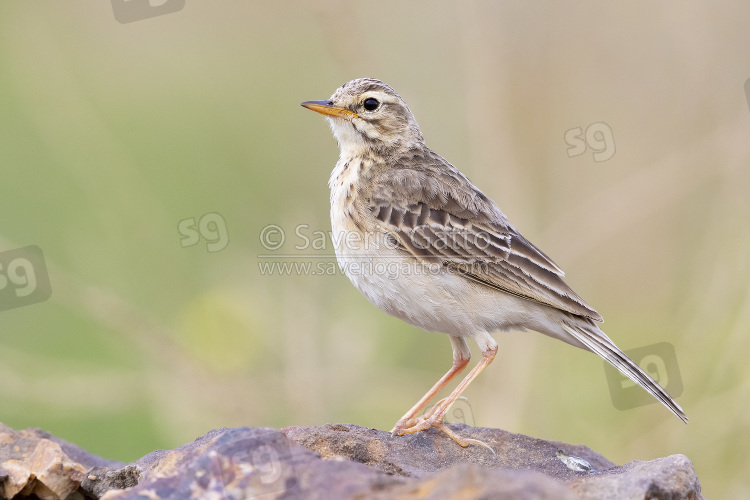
419	424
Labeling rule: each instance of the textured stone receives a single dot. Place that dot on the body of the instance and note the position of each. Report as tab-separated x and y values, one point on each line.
33	462
339	461
522	466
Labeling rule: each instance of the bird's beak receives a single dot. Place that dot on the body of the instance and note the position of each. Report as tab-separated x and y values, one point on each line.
327	108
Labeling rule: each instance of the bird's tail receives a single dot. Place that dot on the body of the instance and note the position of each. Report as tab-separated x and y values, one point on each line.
596	341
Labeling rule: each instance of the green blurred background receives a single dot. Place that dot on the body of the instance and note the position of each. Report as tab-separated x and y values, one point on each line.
111	134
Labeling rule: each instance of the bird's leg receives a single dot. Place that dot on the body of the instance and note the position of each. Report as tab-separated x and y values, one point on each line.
435	417
434	408
408	419
461	357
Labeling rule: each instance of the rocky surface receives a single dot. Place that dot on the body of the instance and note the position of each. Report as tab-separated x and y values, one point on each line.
33	462
337	461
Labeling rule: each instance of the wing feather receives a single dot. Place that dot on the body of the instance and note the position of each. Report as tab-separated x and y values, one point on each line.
449	221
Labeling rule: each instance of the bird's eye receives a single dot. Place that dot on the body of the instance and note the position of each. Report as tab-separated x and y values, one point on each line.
371	104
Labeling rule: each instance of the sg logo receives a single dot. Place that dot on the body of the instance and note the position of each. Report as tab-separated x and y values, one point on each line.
23	278
128	11
598	137
260	467
211	226
459	413
659	361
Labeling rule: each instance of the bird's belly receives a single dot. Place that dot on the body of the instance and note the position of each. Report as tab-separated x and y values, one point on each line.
428	296
423	294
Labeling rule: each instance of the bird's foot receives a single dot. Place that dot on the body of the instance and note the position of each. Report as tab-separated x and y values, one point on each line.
463	442
434	419
409	421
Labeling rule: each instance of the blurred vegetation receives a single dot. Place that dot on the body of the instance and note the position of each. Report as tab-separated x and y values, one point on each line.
111	134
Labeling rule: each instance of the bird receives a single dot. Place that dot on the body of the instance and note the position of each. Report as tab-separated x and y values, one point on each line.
425	245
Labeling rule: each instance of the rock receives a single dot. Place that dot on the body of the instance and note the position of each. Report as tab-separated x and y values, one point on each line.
99	480
522	467
33	462
426	453
339	461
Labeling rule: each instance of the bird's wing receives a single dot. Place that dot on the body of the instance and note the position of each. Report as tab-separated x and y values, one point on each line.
449	221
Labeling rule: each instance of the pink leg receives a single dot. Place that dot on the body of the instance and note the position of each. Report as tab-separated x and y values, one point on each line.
461	357
436	416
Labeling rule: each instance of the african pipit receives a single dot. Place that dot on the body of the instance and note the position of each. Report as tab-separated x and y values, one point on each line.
436	252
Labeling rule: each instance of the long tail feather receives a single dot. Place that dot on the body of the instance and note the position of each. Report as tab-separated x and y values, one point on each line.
596	341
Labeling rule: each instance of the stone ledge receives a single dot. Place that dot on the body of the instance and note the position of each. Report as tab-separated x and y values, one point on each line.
337	461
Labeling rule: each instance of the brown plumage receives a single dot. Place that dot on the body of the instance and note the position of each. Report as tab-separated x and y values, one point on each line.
432	249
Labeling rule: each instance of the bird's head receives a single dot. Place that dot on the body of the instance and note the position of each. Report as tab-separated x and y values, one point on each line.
366	114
